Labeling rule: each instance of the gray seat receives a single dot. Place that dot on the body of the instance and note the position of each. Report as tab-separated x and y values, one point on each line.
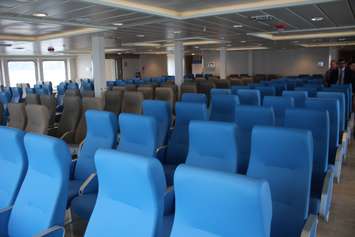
113	101
37	119
188	88
88	93
119	88
130	88
147	91
32	99
132	102
72	92
88	103
50	102
222	84
69	119
17	115
166	94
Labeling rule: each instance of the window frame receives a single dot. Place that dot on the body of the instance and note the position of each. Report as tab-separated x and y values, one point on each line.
8	82
42	61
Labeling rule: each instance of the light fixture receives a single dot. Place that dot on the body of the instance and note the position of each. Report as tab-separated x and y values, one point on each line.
140	36
317	18
246	48
243	41
177	32
193	54
237	26
229	45
19	48
341	39
40	14
332	44
117	24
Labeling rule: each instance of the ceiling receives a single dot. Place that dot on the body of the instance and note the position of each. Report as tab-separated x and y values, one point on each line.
153	25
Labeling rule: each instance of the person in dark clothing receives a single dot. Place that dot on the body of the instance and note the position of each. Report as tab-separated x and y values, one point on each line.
331	76
344	72
352	73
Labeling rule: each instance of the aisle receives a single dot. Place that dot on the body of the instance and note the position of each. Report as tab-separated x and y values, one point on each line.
342	215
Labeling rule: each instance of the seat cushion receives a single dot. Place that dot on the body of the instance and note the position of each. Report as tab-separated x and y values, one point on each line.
84	205
74	186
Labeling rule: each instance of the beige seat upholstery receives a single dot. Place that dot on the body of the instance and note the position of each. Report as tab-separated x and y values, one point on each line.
147	91
37	119
130	88
119	88
89	103
205	86
188	88
166	94
50	102
88	93
113	101
132	102
72	92
17	115
32	99
222	83
69	119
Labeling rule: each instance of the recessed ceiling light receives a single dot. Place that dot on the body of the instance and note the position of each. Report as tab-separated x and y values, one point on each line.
192	54
229	45
117	24
238	26
140	36
318	18
243	41
177	32
341	39
40	14
196	47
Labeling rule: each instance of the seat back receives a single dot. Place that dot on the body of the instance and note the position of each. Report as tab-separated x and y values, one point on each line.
194	98
332	106
139	134
70	116
283	157
223	107
299	97
222	84
16	94
148	92
311	91
249	96
88	103
131	190
50	102
88	93
213	145
179	140
266	91
318	123
219	91
37	119
347	90
32	99
132	102
188	88
165	93
342	106
41	201
241	205
13	164
113	101
247	117
72	92
101	133
160	110
17	116
279	104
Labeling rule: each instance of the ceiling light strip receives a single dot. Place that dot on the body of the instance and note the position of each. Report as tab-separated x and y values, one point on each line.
304	36
331	44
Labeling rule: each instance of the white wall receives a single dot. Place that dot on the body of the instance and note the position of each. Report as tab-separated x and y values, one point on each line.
83	66
154	65
281	62
110	69
129	67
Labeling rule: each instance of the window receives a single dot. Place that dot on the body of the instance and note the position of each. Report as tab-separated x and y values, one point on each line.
22	72
54	71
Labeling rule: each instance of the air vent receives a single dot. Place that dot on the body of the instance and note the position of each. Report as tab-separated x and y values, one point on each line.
262	18
4	44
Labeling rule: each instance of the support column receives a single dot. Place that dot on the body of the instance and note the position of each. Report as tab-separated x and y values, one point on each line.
250	63
179	62
222	62
333	55
98	63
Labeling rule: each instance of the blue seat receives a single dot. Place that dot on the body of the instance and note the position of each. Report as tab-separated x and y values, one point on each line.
5	99
213	145
101	133
219	91
13	164
130	201
266	91
16	94
342	106
73	86
39	208
223	107
312	91
161	111
322	178
138	134
283	157
178	144
299	97
279	104
234	89
211	203
246	118
248	96
194	98
347	89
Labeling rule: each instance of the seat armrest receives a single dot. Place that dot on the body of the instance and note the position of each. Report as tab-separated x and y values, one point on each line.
55	231
89	185
72	168
310	228
326	196
4	220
